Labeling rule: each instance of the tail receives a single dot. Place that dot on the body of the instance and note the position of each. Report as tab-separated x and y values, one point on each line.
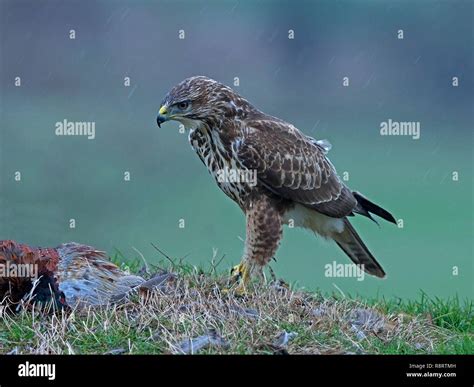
366	207
349	241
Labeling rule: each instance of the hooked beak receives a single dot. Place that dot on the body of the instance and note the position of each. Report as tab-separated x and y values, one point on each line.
162	116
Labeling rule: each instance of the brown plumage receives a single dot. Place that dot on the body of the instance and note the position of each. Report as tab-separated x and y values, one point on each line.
295	181
70	275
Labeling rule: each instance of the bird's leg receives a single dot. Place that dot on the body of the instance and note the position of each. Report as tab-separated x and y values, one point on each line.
263	234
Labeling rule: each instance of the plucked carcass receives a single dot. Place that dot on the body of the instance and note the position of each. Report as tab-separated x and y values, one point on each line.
70	275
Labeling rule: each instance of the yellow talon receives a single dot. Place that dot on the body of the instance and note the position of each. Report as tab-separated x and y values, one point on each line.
241	274
236	271
240	290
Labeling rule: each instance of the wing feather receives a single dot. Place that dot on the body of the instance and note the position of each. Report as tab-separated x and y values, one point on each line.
293	166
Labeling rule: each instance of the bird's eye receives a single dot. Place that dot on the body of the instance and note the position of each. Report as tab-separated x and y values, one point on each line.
183	105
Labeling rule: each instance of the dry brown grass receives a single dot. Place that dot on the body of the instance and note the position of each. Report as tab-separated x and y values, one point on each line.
192	314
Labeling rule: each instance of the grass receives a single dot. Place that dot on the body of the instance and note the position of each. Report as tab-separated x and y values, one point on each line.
192	314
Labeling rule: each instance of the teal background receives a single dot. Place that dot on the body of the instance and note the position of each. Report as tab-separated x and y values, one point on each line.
298	80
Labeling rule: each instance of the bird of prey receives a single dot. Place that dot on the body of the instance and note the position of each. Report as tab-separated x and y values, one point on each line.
70	275
295	181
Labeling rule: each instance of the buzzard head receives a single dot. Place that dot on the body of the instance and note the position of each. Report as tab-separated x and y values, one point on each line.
195	101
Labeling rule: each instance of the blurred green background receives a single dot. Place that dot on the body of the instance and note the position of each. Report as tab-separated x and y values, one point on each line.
299	80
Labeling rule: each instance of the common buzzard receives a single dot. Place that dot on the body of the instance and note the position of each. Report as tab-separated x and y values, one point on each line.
294	180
